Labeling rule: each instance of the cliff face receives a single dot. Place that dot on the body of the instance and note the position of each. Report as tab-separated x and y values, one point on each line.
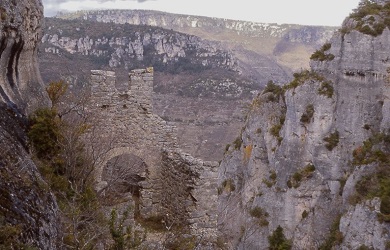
28	212
20	81
299	163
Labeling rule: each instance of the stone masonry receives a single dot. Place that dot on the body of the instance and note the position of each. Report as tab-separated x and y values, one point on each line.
176	186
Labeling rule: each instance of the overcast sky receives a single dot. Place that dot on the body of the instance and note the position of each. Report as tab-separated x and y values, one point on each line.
310	12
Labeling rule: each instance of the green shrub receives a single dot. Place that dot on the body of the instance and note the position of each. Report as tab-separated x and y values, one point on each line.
332	140
387	244
58	143
237	143
273	175
304	214
302	77
258	212
3	14
45	132
326	89
308	114
277	240
275	129
276	91
335	236
228	186
371	18
320	55
297	177
366	153
272	179
124	236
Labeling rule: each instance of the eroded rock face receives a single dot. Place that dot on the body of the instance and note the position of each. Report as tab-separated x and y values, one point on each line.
20	80
294	157
26	203
27	208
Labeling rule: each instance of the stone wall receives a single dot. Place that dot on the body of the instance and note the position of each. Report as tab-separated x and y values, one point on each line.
178	187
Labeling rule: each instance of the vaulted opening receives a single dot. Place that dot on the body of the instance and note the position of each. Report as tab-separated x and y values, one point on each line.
123	175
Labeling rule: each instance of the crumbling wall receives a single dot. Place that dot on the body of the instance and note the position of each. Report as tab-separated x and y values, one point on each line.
178	187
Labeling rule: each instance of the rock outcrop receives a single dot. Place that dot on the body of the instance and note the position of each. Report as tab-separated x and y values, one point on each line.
28	212
299	164
20	81
165	46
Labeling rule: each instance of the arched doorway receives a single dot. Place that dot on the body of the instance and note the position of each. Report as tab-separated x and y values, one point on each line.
123	176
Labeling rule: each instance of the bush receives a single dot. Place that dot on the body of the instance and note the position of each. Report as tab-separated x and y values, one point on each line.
59	144
261	215
3	14
332	140
272	179
275	129
309	112
371	18
276	91
124	236
297	177
320	55
45	132
277	240
302	77
326	89
366	153
228	186
237	143
335	236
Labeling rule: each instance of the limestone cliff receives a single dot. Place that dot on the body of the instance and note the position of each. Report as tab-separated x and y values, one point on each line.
20	81
306	153
28	212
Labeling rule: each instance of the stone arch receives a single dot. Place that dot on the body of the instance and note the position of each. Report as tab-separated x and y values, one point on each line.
145	197
121	151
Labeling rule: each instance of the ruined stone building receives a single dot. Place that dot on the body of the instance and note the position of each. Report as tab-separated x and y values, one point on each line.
142	150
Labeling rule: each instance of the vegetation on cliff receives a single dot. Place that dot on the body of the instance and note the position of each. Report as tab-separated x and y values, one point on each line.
370	18
57	135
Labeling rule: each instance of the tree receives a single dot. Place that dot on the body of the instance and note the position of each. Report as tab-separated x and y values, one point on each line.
277	240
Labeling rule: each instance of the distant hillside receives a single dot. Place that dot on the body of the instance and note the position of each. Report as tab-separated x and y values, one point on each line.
206	69
291	45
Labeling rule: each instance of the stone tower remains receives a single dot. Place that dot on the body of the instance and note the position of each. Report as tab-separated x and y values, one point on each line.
170	183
